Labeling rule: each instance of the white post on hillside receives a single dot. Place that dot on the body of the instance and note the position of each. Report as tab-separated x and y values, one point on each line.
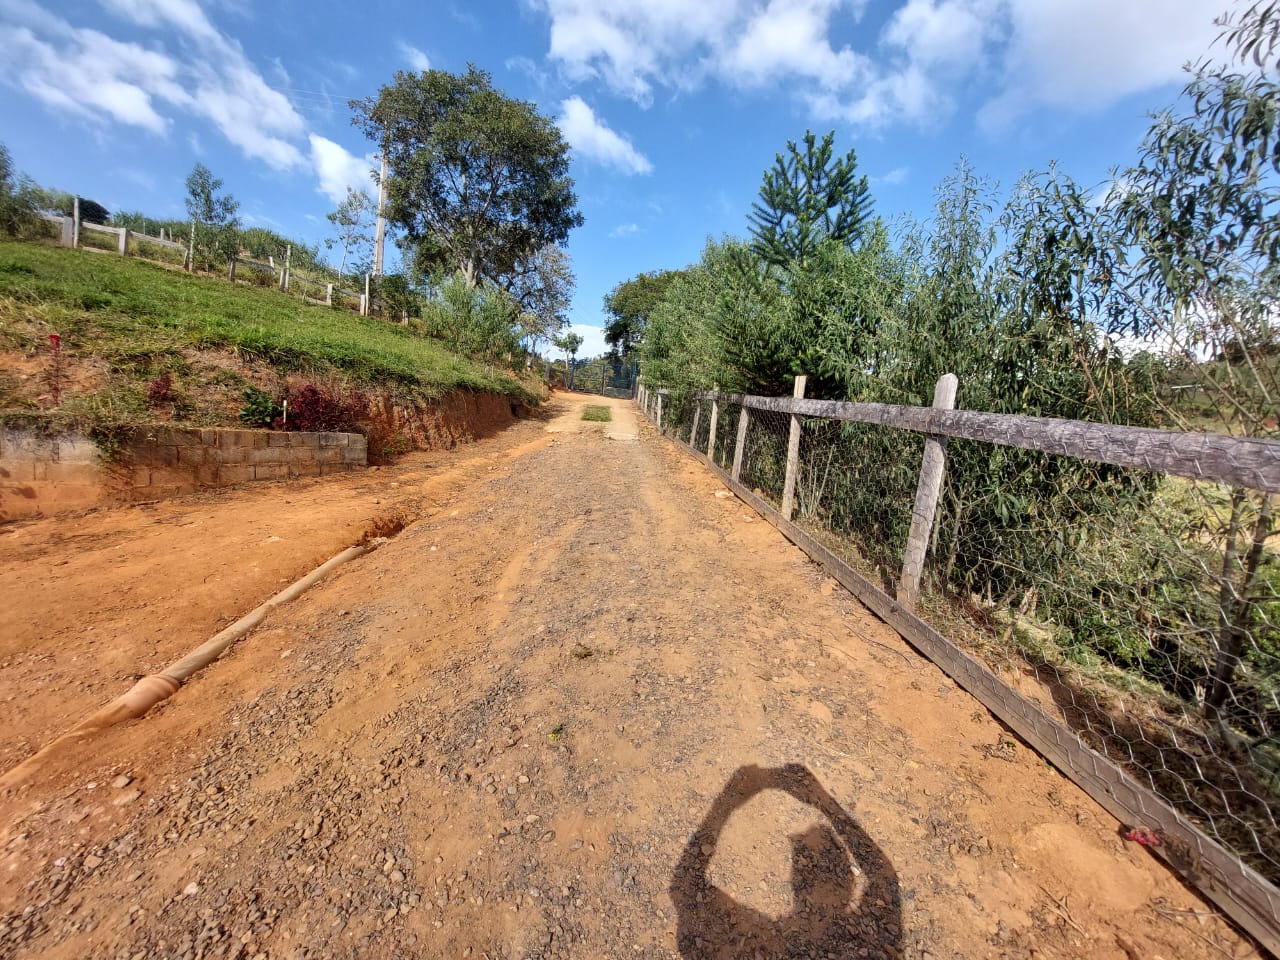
75	221
380	230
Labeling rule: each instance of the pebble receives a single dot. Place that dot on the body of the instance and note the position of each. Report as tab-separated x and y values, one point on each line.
92	863
191	889
122	781
126	798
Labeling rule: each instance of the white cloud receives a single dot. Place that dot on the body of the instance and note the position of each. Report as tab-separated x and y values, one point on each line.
591	137
90	74
1082	54
624	230
87	73
894	177
1089	53
414	57
337	168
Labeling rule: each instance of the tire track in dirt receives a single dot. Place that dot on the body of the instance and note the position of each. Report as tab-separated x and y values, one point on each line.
584	709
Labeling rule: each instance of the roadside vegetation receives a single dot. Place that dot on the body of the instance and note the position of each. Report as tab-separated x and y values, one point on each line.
1149	301
597	413
101	340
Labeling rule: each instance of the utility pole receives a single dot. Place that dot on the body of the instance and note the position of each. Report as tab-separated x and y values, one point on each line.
380	230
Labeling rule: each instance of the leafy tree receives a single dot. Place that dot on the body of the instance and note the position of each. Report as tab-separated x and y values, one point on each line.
808	197
17	198
90	210
570	343
629	306
479	177
213	218
542	285
351	222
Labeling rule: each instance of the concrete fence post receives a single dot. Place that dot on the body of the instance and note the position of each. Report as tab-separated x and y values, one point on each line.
793	455
932	468
231	271
328	294
124	241
693	431
739	447
75	220
659	411
68	232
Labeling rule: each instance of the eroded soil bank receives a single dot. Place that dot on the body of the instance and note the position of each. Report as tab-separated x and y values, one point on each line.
587	705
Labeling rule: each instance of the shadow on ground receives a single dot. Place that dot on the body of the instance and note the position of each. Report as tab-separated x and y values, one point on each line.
844	889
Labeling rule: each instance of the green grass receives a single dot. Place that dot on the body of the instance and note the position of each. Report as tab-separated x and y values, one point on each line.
140	316
600	414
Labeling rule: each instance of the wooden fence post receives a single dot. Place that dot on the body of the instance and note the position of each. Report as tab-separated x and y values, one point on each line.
697	415
740	447
932	467
793	455
715	419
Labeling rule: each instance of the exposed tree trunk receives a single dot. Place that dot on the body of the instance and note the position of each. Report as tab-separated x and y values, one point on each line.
1235	599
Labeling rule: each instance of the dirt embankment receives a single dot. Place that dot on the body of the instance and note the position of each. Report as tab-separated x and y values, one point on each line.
587	705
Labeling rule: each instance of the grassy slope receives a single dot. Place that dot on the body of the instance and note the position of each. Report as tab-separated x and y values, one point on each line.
139	319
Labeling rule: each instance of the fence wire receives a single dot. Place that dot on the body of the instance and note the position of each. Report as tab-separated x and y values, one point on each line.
1141	610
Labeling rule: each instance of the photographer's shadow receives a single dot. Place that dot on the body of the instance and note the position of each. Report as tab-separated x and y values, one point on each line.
836	909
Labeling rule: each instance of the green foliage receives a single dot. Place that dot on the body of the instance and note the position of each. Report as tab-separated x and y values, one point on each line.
542	286
629	306
118	309
352	221
598	414
17	198
476	321
479	177
260	408
213	218
806	199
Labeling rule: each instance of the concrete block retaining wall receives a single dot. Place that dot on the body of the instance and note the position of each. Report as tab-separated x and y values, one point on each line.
45	475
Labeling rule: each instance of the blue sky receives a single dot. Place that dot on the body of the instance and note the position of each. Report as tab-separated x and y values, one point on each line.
673	108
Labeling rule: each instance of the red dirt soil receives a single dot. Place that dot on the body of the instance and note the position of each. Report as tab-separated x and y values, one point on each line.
585	705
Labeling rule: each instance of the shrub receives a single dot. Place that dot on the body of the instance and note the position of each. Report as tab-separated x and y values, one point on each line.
313	408
260	408
161	389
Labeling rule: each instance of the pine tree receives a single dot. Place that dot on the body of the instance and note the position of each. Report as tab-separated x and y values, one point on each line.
805	198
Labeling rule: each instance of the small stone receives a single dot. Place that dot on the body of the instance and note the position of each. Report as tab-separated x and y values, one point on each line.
397	876
191	889
126	798
576	845
92	863
122	781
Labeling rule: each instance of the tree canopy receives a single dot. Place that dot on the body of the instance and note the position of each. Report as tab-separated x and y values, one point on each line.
630	305
481	178
808	197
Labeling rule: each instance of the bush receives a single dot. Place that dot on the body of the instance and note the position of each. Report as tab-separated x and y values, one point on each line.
260	408
320	409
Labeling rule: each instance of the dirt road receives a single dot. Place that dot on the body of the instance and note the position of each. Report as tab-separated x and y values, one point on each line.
587	705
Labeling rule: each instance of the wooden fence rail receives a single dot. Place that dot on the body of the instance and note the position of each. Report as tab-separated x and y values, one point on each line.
1242	893
1236	461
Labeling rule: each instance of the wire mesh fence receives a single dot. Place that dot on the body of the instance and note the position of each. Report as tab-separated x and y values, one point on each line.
1138	609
